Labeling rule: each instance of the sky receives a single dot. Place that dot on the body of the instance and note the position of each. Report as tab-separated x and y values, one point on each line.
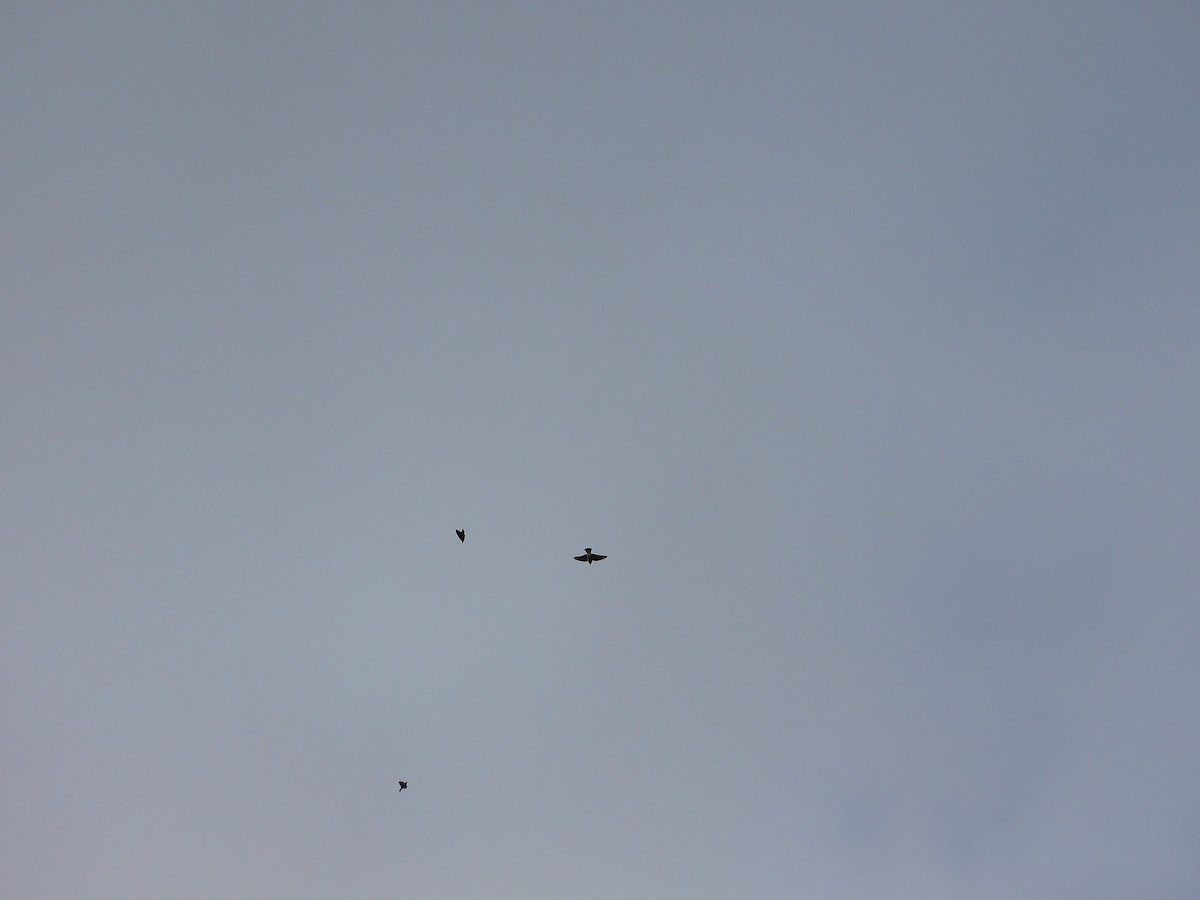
862	339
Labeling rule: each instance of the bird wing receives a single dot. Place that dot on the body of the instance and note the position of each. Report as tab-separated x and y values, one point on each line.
597	556
583	558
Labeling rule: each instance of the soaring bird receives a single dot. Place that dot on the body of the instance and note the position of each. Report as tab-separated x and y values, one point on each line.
403	785
462	535
589	557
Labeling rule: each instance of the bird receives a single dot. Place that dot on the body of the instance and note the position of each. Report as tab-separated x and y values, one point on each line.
403	785
589	557
462	535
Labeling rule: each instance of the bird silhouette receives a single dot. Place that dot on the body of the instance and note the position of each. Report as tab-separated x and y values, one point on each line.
403	785
462	535
589	557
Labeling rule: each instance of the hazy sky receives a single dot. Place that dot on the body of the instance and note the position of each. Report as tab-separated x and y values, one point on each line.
861	337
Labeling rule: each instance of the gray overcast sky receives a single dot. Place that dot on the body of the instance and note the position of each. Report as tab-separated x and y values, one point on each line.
862	338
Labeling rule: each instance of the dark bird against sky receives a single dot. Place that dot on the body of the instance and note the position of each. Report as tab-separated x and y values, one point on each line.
589	557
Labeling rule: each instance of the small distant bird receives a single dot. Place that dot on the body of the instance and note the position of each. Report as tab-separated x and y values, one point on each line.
403	785
589	557
462	535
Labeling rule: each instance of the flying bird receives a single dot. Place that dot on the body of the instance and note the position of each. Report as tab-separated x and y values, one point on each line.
589	557
462	535
403	785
